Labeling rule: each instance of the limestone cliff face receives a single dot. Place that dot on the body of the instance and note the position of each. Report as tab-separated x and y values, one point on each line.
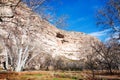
72	45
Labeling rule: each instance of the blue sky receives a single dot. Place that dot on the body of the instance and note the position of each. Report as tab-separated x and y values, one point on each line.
81	15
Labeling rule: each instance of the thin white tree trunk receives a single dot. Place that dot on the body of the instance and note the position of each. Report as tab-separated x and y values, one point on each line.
6	58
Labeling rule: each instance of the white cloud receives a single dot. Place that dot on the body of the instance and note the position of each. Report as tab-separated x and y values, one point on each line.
99	34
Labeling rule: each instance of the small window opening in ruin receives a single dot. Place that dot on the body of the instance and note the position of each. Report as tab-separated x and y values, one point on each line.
1	20
63	41
59	35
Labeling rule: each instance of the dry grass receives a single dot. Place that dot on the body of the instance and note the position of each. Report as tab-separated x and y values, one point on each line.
54	75
41	75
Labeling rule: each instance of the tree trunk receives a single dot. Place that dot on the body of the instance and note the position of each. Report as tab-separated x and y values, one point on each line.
110	69
4	65
93	74
18	68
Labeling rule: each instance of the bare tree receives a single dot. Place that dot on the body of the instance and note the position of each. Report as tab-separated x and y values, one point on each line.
47	12
17	44
17	39
109	17
91	63
107	55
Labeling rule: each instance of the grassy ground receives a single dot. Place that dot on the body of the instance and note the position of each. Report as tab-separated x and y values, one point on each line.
54	75
41	75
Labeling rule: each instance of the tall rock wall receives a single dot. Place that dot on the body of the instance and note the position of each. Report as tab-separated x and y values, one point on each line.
53	41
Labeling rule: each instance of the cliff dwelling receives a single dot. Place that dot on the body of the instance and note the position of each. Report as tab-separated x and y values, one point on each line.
59	35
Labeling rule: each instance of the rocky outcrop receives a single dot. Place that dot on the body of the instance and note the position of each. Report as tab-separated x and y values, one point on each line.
53	41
